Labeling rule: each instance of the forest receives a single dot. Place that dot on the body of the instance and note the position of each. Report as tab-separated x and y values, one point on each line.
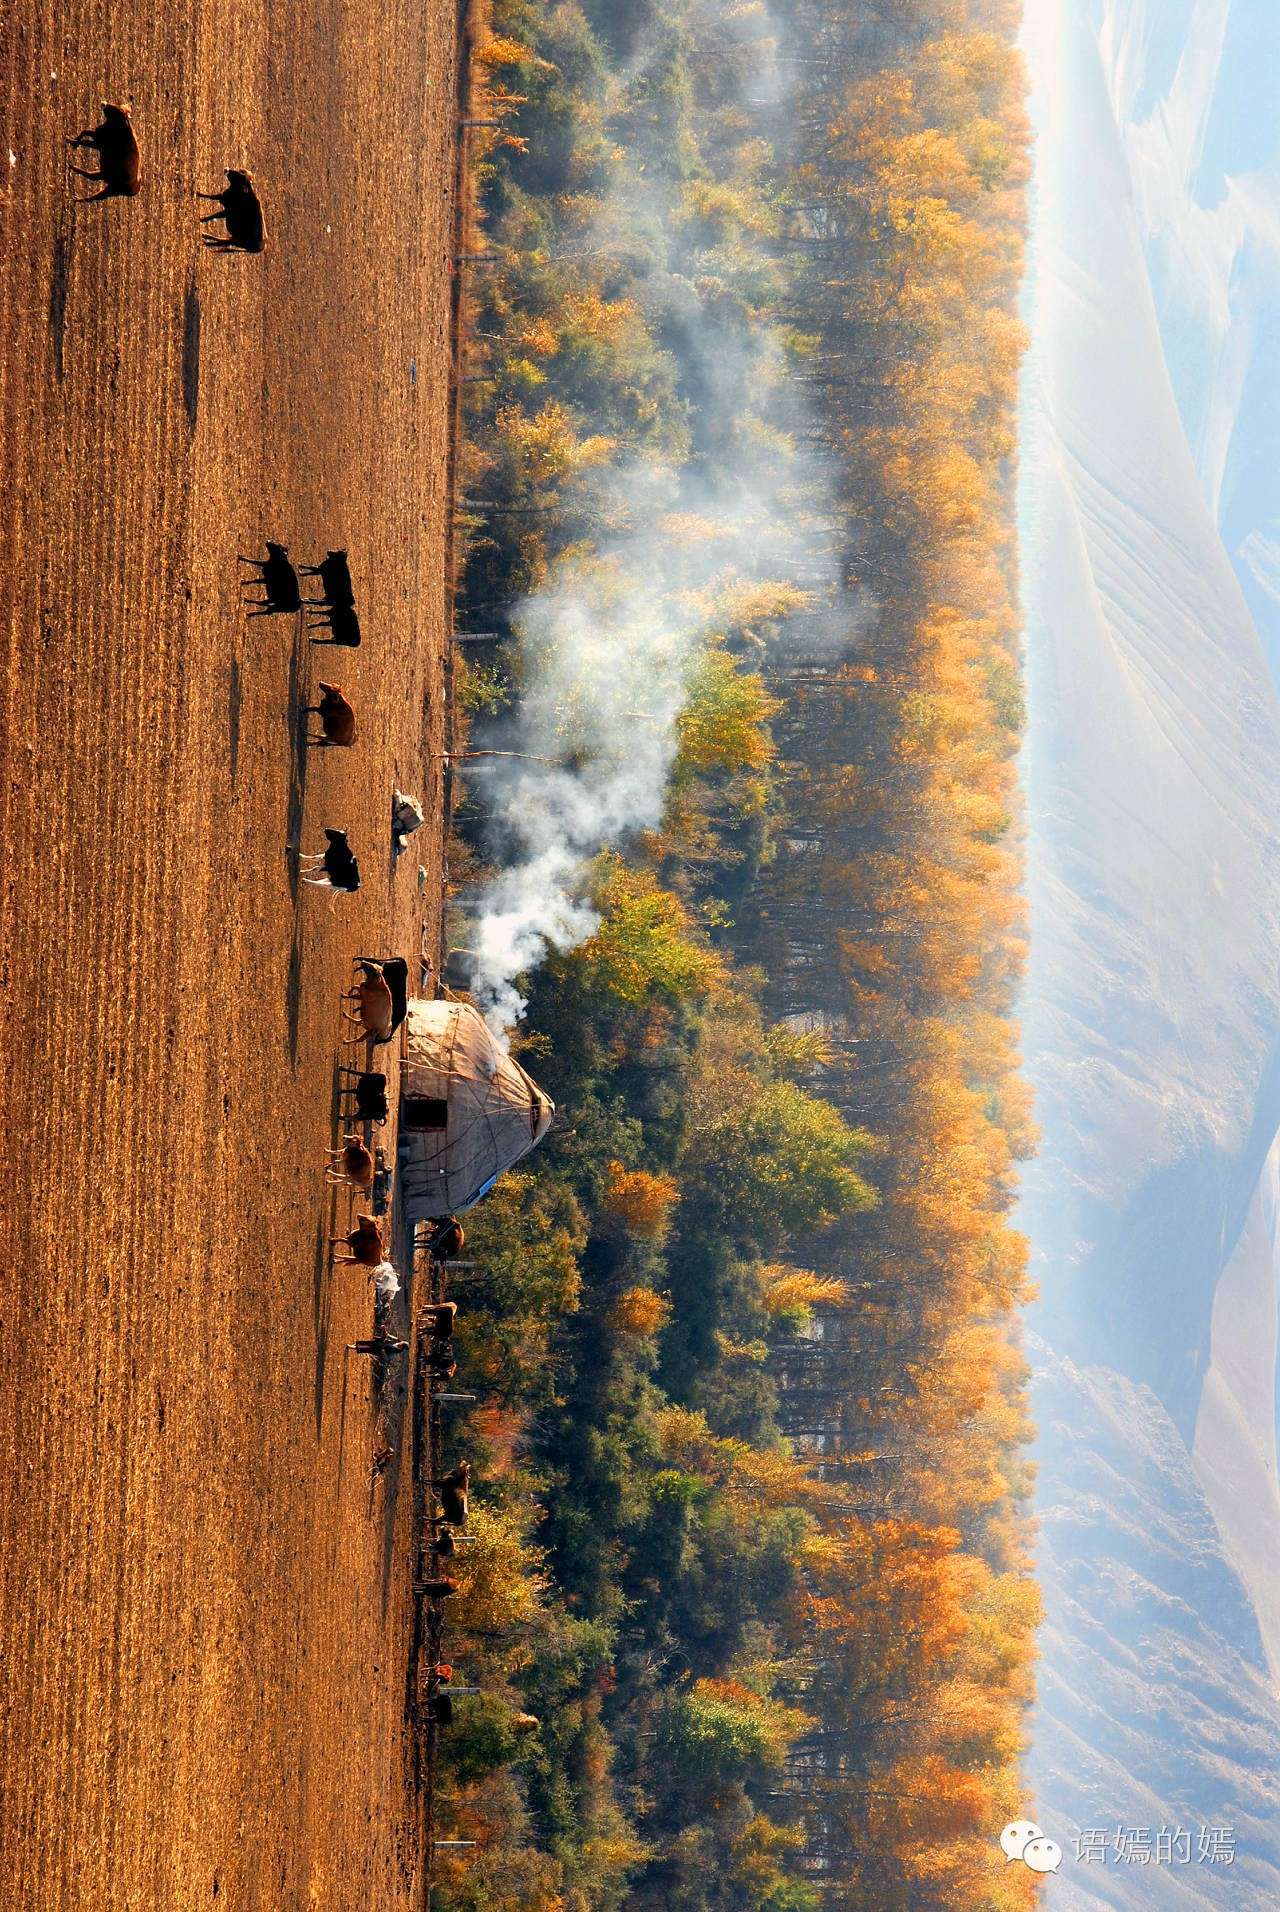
754	1551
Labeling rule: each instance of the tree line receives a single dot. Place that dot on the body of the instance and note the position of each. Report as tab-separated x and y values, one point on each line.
753	1407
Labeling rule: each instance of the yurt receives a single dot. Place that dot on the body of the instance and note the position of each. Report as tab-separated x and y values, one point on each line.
467	1112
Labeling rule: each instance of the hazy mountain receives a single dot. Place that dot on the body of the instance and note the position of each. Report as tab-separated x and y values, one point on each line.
1152	1015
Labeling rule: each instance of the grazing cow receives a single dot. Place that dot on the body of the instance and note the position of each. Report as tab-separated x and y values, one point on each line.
440	1709
439	1589
439	1365
374	998
445	1541
446	1240
395	973
438	1317
379	1346
282	594
357	1164
453	1489
370	1092
335	581
339	868
341	622
364	1244
337	718
241	208
119	161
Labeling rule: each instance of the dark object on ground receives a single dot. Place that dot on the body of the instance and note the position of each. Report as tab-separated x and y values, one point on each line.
341	621
381	1185
436	1589
459	969
119	161
370	1092
242	210
335	579
440	1709
380	1346
281	590
339	868
337	718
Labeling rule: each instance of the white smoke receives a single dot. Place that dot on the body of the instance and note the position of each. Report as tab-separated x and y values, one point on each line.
609	645
608	649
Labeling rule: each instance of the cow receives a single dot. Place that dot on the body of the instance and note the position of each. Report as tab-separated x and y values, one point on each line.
439	1589
453	1489
241	208
395	974
438	1317
335	580
337	718
282	593
364	1244
370	1092
119	160
446	1240
341	622
375	1010
339	869
357	1164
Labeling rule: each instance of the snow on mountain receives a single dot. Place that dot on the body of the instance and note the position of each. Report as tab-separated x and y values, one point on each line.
1152	1012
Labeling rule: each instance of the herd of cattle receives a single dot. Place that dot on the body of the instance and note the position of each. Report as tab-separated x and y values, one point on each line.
379	997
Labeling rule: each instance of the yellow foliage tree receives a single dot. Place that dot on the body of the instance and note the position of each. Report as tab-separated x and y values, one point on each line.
640	1200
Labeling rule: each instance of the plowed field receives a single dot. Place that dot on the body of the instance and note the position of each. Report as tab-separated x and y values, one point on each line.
204	1596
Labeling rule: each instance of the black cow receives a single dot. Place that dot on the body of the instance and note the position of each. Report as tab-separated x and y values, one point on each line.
340	621
370	1092
281	590
241	208
119	161
339	869
335	579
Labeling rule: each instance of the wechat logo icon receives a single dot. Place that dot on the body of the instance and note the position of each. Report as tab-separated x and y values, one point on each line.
1023	1839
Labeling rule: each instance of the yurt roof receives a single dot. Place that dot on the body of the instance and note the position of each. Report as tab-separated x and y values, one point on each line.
489	1111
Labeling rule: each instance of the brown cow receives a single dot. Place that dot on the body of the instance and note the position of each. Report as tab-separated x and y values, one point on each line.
364	1242
337	718
358	1166
453	1489
376	1009
436	1589
438	1318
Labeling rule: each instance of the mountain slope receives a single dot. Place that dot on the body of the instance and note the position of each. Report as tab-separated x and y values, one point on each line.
1151	1019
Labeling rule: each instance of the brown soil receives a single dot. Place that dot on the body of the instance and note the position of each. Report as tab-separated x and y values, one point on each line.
205	1608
